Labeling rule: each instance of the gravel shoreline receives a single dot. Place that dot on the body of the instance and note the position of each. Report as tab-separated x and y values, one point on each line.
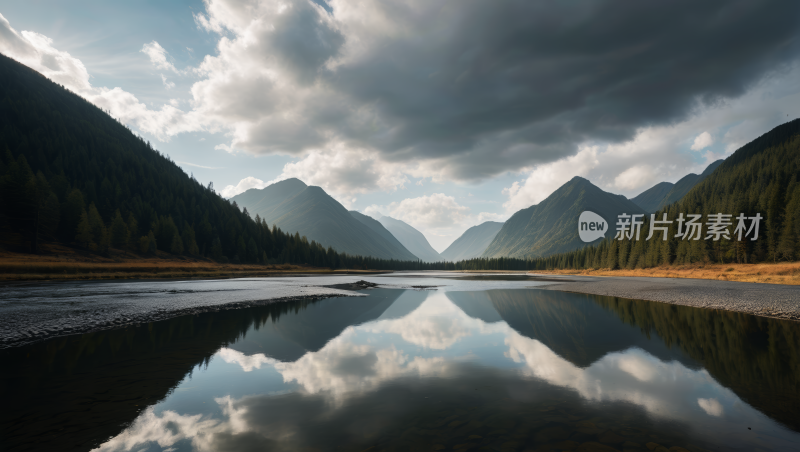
766	300
36	312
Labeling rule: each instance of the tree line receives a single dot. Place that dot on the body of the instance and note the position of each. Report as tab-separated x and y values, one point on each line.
69	173
760	178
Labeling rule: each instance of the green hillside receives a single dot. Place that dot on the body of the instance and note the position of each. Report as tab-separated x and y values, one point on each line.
294	206
71	174
551	226
666	193
473	242
759	178
412	239
685	184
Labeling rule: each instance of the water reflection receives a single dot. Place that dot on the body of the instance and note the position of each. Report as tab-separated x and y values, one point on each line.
421	370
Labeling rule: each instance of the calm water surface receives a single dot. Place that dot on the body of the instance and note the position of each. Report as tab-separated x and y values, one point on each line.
444	369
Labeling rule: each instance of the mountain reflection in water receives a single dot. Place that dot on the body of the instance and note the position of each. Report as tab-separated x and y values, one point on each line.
504	369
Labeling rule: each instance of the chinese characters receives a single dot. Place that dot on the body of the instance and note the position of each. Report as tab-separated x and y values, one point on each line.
690	227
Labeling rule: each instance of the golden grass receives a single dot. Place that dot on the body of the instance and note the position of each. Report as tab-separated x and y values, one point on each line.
57	262
779	273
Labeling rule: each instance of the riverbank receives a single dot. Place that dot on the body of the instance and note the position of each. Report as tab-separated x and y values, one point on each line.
780	301
61	263
765	273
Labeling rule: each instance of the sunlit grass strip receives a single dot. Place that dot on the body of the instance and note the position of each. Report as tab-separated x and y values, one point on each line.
780	273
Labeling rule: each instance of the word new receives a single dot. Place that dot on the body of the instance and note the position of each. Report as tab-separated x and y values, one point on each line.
690	228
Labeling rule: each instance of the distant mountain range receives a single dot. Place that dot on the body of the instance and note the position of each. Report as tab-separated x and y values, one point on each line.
666	193
294	206
551	226
473	242
537	231
412	239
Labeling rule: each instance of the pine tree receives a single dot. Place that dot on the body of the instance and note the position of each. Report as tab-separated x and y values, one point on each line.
177	245
775	212
147	244
97	228
119	231
787	244
133	229
71	215
83	233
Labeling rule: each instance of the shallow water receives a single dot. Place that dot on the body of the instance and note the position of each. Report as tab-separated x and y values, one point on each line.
485	365
32	312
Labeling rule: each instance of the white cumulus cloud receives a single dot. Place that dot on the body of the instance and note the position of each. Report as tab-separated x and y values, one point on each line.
702	141
37	52
635	177
245	184
343	171
545	179
158	56
431	211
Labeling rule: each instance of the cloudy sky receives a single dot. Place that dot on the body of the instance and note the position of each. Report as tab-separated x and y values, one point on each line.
441	113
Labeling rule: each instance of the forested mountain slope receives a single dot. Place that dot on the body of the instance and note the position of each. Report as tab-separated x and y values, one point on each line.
685	184
552	226
666	193
293	206
473	242
761	178
70	173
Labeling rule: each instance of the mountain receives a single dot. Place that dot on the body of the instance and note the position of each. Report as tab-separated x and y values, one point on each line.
295	206
687	183
473	242
376	226
412	239
552	226
759	180
71	174
650	199
666	193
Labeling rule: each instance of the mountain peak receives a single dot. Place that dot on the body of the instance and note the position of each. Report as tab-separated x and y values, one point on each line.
294	206
550	227
291	182
710	168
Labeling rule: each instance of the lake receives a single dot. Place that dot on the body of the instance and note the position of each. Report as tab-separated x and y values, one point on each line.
491	363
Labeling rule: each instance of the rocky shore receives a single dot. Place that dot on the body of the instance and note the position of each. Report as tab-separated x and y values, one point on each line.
767	300
35	312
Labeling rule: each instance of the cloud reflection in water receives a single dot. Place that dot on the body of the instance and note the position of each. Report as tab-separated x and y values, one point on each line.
371	369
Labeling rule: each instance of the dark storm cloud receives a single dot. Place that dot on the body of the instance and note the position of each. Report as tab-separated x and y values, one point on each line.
512	82
488	86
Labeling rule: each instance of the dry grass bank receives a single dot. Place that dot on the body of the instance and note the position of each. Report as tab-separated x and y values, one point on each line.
780	273
57	262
